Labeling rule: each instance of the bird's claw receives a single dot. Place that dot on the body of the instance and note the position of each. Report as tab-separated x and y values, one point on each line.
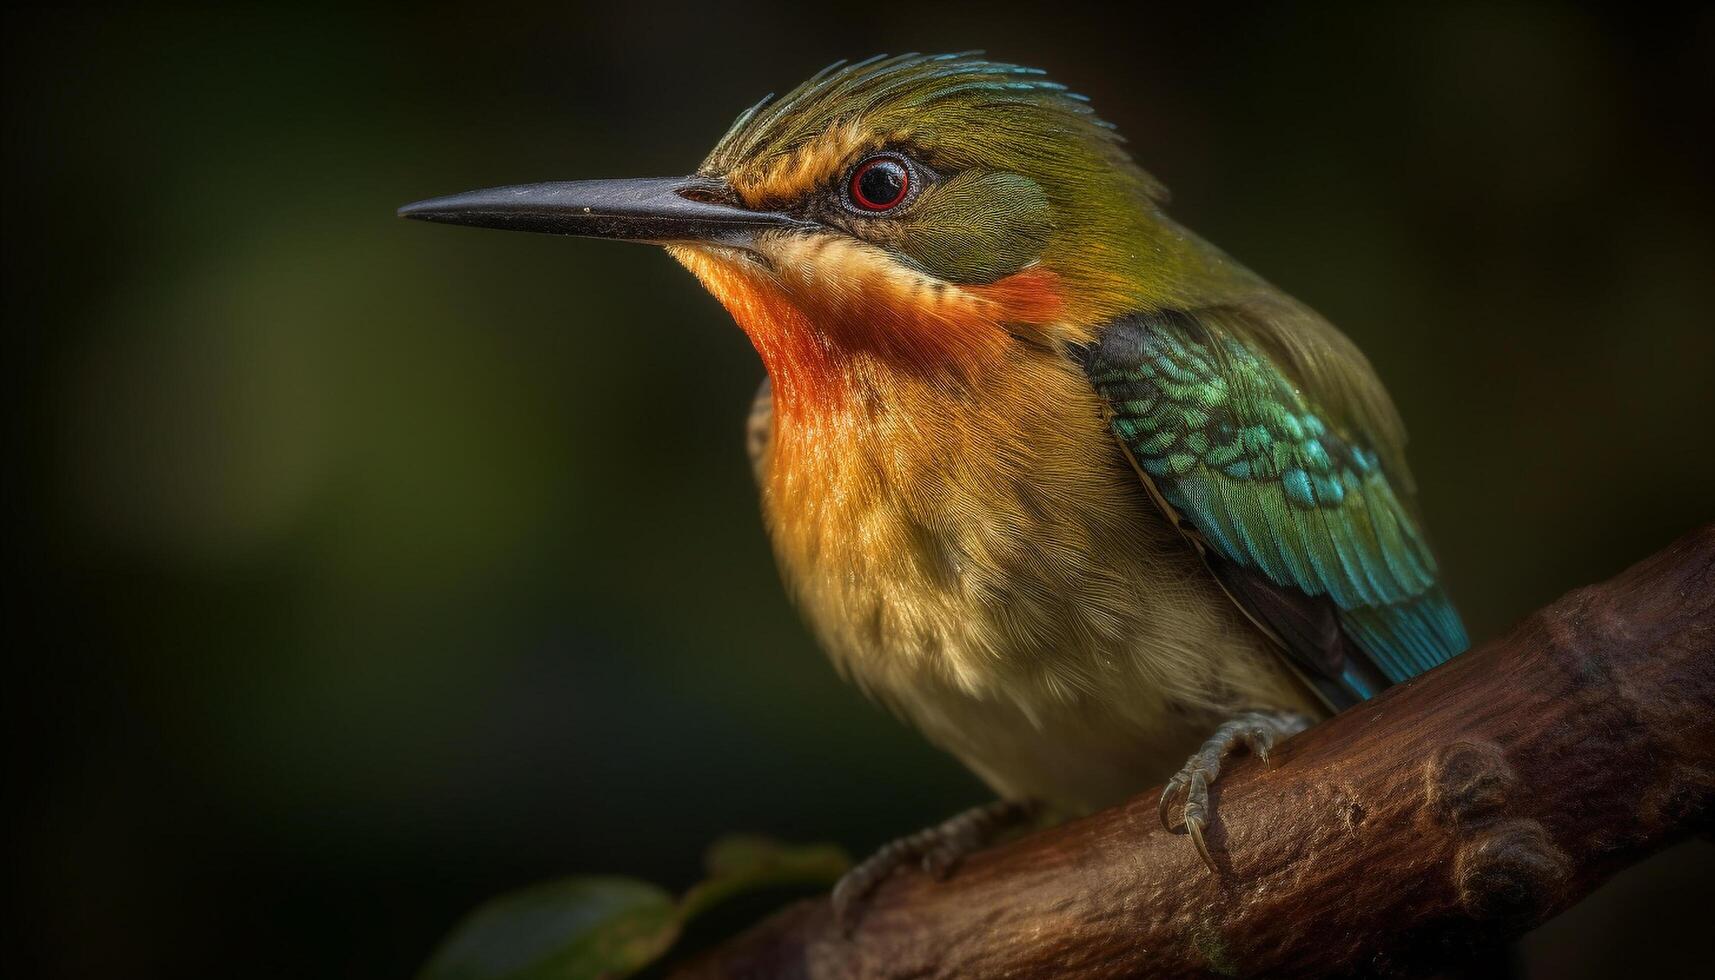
1195	829
937	850
938	862
845	895
1258	732
1174	785
1260	741
1194	781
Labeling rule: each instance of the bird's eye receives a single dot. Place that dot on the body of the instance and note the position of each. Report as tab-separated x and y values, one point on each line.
880	183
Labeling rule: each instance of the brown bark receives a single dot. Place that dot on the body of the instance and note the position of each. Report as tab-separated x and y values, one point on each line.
1448	814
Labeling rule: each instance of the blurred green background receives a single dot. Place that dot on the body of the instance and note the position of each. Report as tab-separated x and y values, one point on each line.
364	569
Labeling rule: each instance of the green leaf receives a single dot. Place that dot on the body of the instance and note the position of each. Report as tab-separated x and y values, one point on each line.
742	865
570	929
588	927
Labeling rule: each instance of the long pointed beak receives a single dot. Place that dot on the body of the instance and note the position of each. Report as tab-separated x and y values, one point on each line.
654	209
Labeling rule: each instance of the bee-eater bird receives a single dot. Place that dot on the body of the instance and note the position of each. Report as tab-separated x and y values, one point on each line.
1053	478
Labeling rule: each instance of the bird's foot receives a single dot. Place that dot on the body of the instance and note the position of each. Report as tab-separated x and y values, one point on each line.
1257	731
937	850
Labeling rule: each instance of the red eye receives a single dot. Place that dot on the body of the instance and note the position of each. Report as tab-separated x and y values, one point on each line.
880	183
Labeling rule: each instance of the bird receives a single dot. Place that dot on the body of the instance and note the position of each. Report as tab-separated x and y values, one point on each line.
1083	499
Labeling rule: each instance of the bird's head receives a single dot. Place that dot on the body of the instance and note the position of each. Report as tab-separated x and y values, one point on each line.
916	213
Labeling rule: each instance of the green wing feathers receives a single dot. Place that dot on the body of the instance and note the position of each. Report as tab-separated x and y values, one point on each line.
1272	483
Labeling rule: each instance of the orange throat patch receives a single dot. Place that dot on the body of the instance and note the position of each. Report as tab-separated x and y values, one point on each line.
835	320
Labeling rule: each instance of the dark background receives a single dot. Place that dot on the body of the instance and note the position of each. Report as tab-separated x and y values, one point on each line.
363	569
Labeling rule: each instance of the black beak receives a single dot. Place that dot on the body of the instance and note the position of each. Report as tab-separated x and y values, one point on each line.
656	209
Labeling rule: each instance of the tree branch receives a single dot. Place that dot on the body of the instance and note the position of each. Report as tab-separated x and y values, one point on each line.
1448	814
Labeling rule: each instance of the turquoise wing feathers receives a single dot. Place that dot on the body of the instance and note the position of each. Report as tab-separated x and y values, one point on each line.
1266	481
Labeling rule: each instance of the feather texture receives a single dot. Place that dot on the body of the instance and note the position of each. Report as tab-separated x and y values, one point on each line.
1251	464
967	539
962	395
